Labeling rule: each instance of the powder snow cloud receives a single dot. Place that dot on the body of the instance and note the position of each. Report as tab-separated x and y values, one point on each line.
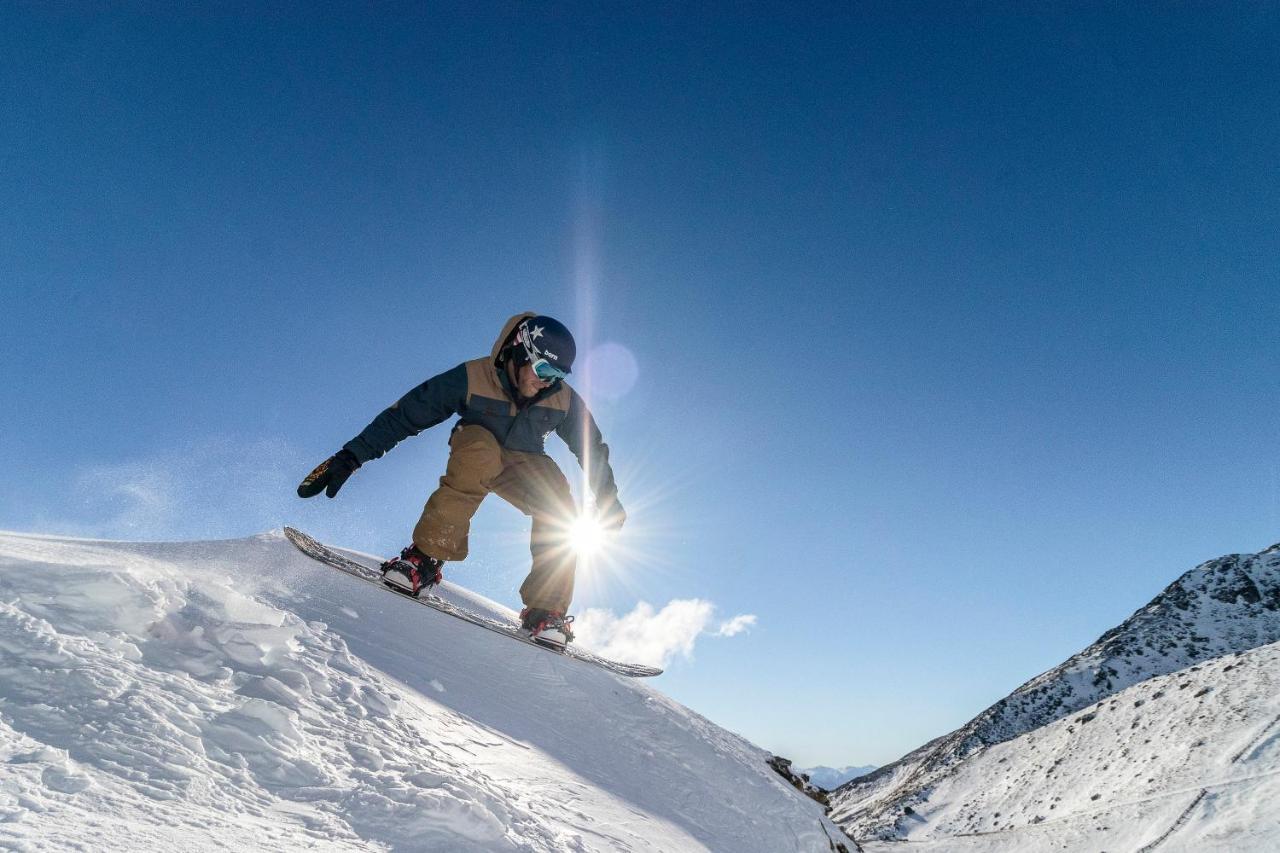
206	488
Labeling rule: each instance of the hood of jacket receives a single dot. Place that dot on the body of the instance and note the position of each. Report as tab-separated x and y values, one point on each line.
507	329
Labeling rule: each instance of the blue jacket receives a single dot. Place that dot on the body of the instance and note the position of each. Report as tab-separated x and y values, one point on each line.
481	393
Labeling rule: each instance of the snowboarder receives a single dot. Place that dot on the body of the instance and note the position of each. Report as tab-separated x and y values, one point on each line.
508	402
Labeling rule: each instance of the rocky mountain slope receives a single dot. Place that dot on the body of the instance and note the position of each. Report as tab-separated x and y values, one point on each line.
1221	607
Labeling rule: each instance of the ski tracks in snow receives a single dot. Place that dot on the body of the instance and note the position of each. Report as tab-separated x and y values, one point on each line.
1256	745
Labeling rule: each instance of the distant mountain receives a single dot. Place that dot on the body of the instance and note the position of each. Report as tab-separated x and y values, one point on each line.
833	777
1222	607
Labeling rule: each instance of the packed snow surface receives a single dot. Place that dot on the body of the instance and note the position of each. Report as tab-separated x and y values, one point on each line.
237	695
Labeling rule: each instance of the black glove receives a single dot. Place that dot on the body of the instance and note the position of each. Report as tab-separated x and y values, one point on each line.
329	475
611	514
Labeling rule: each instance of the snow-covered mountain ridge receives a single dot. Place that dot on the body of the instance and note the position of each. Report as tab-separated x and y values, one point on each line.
237	695
1221	607
1188	761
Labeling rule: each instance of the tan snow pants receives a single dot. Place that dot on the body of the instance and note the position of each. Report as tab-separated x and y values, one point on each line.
532	483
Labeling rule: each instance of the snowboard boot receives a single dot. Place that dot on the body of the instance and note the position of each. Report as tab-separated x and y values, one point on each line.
412	572
547	627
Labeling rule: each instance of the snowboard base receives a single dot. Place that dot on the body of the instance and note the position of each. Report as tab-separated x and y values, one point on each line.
322	553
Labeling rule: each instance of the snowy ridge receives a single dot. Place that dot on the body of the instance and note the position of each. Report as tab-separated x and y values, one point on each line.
236	695
1221	607
1187	761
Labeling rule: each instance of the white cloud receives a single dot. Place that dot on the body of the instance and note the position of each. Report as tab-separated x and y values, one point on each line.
653	637
736	625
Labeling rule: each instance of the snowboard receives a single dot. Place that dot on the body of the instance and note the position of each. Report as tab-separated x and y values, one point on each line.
369	574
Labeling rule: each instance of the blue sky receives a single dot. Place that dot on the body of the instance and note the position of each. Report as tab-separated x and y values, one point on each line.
954	325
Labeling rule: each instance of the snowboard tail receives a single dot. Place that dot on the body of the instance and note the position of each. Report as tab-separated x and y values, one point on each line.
322	553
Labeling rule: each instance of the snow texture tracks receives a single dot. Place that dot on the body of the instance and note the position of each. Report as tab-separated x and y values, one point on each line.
230	695
1257	743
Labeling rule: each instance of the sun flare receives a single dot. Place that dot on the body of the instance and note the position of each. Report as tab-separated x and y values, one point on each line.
586	535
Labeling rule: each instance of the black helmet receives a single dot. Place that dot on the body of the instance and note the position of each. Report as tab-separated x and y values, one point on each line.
548	345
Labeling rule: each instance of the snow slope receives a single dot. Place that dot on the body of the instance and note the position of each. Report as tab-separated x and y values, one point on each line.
237	695
1220	608
1188	761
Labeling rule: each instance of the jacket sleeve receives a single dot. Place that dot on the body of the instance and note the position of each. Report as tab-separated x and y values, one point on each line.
422	408
580	432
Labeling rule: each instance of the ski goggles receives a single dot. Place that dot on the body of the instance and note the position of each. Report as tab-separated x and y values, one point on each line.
545	370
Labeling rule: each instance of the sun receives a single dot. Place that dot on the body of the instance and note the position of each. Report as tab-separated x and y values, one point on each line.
586	536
